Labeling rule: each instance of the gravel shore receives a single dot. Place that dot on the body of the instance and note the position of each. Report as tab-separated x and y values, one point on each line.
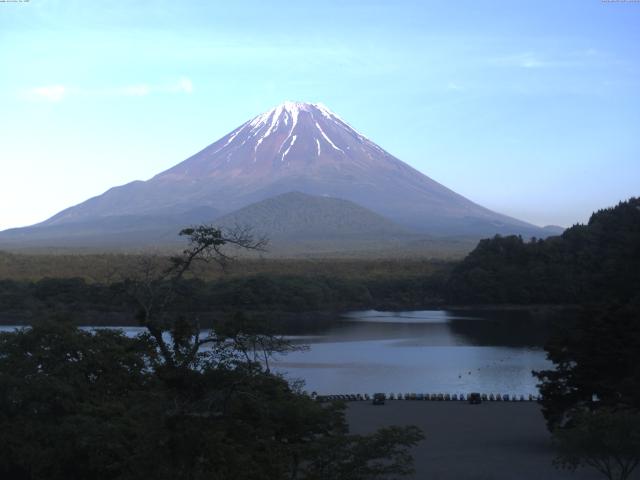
491	441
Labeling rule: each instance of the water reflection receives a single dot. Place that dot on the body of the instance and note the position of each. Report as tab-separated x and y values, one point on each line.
423	351
420	351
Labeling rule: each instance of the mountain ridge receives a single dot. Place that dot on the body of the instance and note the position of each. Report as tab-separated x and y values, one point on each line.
295	147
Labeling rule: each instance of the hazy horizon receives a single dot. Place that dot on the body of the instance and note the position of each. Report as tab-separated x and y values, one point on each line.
530	110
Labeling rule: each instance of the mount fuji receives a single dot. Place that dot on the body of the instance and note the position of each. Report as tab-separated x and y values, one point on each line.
294	147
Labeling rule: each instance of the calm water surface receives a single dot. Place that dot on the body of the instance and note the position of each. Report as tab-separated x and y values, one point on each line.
422	351
429	351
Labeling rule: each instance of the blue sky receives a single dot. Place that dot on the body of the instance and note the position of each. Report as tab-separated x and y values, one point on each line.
530	108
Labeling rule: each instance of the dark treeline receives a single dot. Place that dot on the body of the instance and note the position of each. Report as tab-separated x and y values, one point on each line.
591	263
273	293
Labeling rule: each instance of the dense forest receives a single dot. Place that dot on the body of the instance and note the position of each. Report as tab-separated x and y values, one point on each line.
104	303
591	263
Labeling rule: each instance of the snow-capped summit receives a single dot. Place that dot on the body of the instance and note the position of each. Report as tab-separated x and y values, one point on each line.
293	139
302	147
291	111
289	137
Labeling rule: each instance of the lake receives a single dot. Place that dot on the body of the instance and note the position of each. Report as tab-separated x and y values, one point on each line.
430	351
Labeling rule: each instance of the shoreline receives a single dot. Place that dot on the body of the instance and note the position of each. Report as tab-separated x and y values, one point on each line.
126	319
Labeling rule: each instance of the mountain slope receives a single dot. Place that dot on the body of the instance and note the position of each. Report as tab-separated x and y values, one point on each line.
119	231
306	148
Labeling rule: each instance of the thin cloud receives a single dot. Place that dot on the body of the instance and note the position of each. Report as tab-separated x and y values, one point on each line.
529	60
184	85
133	91
55	93
49	93
521	60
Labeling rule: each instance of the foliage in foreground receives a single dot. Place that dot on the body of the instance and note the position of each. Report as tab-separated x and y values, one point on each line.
606	440
170	403
591	400
76	404
597	359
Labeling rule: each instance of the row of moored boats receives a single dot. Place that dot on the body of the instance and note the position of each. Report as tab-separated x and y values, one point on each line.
433	397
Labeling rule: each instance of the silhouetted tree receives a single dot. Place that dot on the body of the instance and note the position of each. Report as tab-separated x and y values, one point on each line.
598	357
591	399
157	284
606	440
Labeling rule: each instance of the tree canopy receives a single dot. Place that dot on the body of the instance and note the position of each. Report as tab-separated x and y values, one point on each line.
597	364
171	403
596	262
591	399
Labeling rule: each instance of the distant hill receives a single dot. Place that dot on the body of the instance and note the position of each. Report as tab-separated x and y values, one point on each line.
298	224
596	262
552	230
293	147
297	216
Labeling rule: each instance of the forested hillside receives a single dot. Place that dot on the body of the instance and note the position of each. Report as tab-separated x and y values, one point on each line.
599	261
